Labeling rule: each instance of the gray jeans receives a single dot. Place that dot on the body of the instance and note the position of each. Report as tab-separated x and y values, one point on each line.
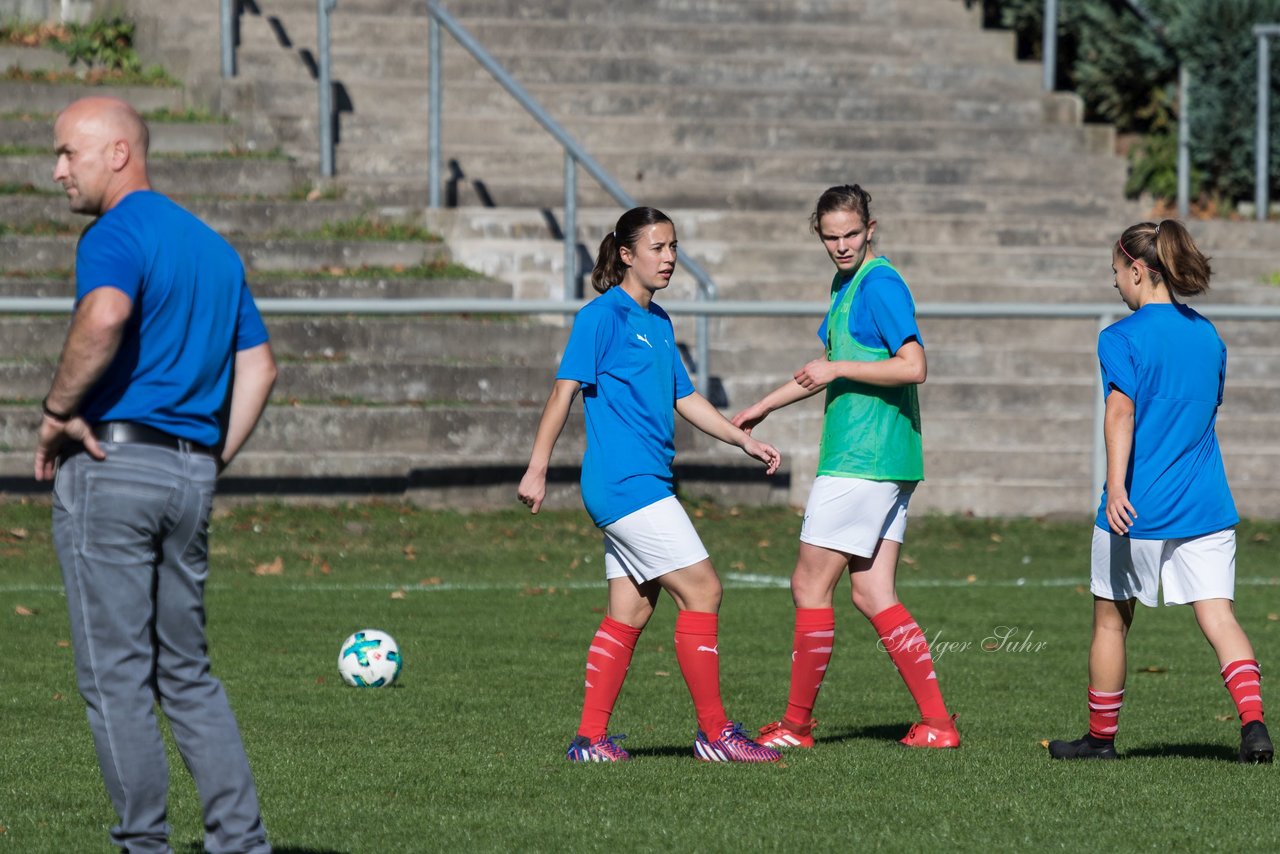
132	537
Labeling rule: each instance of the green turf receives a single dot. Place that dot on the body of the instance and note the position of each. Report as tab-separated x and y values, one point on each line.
493	613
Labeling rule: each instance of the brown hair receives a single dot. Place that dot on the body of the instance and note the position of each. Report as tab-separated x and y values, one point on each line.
609	269
1169	254
843	198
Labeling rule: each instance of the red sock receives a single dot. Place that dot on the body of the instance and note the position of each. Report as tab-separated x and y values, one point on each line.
909	651
608	658
810	653
1243	679
1104	713
697	651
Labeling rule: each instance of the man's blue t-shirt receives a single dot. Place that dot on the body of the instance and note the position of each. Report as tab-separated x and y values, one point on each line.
192	312
1171	363
631	375
883	314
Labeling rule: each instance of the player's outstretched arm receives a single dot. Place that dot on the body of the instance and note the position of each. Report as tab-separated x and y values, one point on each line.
251	384
699	412
1117	430
533	486
908	366
784	395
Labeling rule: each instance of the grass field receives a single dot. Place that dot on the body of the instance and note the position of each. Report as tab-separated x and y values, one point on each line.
493	613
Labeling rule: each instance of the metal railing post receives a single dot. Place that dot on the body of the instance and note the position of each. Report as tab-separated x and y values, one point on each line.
433	113
1099	422
1049	46
323	8
1184	141
229	38
570	226
1262	141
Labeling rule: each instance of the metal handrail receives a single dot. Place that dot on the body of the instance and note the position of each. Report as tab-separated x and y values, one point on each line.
1049	49
575	155
228	26
325	85
1262	135
1105	313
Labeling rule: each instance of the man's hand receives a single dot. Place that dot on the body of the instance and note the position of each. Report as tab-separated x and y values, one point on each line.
54	434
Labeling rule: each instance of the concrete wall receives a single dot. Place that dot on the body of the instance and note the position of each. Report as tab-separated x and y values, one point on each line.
45	10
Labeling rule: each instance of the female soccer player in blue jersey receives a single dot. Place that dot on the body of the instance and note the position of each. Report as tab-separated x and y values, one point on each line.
1166	517
622	356
869	463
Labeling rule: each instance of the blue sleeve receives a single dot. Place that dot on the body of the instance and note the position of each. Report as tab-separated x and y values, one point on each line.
250	330
587	342
1116	363
886	314
108	256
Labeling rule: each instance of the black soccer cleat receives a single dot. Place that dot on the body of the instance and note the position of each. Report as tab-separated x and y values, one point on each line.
1083	748
1255	744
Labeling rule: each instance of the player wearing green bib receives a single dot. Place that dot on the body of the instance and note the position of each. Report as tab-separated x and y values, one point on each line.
870	461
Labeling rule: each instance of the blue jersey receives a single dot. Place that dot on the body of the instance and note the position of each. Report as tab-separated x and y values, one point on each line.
883	314
1171	363
626	360
191	312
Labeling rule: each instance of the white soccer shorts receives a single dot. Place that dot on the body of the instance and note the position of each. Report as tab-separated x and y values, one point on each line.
852	515
1189	569
650	542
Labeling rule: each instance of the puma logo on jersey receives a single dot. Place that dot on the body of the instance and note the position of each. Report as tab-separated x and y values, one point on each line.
644	339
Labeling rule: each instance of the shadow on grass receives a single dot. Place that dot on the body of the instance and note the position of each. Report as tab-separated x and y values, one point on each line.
276	849
875	732
1220	752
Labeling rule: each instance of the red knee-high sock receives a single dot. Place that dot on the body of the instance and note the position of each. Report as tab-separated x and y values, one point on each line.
1104	713
909	651
810	653
608	658
1243	679
697	651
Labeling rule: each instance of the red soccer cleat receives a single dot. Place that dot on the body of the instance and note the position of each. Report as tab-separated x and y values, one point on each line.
779	735
926	735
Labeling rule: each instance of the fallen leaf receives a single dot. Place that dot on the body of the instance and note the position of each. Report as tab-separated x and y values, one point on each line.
763	544
18	533
1273	617
398	594
996	538
533	591
971	578
908	560
314	194
661	673
1224	717
1044	742
23	611
58	696
276	567
325	569
1080	588
1262	537
430	582
738	565
734	511
63	644
410	553
1151	668
320	680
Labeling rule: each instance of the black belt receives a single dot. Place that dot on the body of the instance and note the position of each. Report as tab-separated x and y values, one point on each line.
133	433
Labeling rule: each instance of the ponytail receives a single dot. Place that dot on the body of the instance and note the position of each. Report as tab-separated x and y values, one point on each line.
609	269
1169	254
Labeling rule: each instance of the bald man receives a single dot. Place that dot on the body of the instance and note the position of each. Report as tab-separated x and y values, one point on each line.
164	374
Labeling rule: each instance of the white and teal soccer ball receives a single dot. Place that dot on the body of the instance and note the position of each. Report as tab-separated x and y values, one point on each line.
369	659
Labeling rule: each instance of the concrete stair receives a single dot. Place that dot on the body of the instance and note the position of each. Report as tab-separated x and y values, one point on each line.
731	115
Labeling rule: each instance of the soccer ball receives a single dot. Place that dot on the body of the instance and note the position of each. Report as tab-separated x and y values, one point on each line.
369	659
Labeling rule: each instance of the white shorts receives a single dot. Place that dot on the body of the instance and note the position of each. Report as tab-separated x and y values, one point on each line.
852	515
650	542
1189	568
